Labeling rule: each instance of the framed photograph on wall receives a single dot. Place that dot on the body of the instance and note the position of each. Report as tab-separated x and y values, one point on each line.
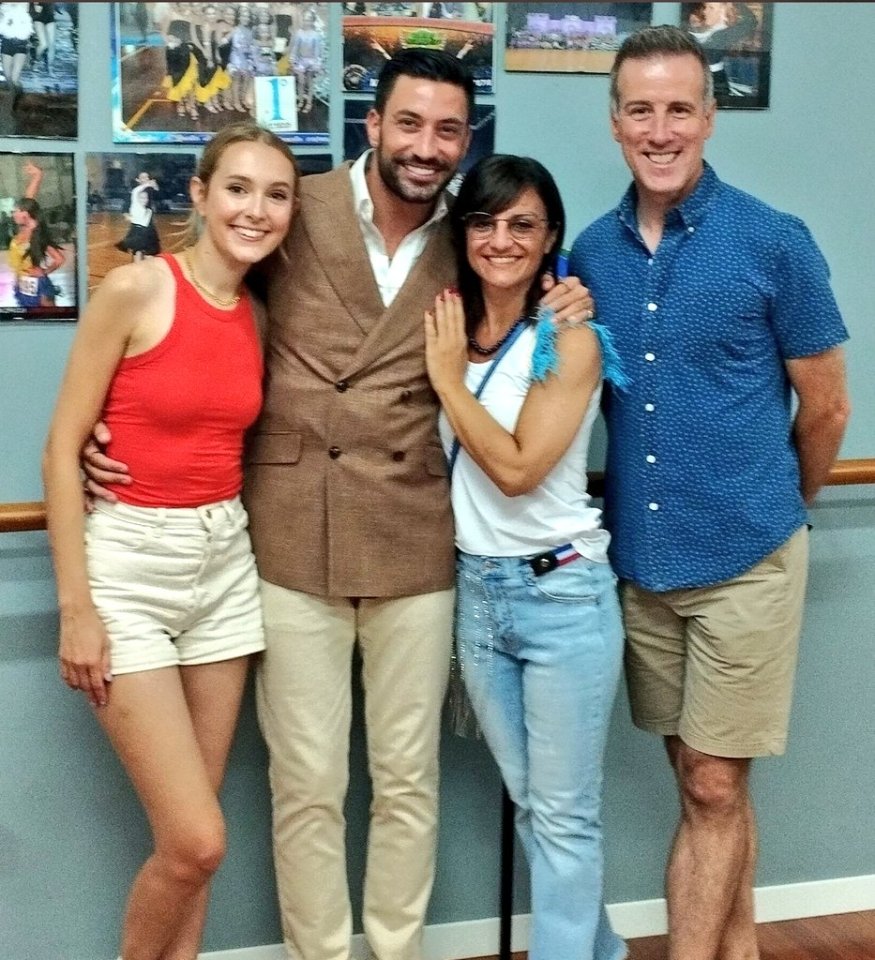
314	163
37	237
39	61
374	32
138	205
182	71
737	39
569	37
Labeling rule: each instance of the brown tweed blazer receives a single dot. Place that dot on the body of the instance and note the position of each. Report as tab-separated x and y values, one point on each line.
346	482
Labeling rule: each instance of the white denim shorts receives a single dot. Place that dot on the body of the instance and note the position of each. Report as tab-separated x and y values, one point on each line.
175	586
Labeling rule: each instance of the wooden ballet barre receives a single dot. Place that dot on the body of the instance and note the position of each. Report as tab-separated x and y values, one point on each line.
16	517
19	517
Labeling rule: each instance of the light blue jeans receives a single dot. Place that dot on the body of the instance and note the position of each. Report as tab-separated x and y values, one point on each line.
541	658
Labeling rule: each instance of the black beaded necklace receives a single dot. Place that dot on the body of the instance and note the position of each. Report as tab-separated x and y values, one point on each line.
478	347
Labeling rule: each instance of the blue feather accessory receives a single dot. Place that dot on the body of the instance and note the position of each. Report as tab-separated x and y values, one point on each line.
612	367
545	359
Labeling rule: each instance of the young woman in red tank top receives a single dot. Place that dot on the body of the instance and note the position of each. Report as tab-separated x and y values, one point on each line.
158	591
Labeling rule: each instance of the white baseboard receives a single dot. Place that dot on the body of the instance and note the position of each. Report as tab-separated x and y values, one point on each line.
641	918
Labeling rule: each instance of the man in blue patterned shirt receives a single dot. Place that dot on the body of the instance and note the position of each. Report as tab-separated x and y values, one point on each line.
721	310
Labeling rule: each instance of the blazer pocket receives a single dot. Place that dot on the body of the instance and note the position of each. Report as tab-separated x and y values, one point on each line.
274	448
435	461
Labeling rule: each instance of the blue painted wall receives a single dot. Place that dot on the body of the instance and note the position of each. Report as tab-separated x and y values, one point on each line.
71	834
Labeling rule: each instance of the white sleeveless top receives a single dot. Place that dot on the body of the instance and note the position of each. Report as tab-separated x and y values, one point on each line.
557	511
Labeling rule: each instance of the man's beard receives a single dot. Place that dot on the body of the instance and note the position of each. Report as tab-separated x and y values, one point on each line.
411	193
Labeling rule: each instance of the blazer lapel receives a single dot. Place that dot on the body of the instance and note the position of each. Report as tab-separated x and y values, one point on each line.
332	225
404	319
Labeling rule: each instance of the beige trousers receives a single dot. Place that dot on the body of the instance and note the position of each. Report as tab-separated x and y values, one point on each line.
304	701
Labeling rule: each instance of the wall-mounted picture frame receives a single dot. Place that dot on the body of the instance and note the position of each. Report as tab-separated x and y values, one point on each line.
38	244
569	37
737	39
138	205
39	70
309	163
182	71
374	32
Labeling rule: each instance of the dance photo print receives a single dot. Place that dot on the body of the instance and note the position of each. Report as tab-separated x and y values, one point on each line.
182	71
39	60
37	237
138	205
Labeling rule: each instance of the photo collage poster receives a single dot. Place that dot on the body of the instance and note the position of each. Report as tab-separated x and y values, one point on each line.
182	71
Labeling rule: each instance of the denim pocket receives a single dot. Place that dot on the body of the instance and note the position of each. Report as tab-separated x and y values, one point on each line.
576	582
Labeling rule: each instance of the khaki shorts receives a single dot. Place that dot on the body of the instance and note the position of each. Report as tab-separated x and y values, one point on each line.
174	586
715	665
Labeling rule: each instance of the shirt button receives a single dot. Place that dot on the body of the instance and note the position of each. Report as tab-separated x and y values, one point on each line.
650	261
650	458
691	229
649	407
406	396
653	506
649	356
341	386
398	456
334	452
652	306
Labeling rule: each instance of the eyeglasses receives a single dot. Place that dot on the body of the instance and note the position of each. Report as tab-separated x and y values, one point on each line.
483	225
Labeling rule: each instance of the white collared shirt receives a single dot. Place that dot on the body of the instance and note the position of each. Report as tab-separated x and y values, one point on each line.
389	272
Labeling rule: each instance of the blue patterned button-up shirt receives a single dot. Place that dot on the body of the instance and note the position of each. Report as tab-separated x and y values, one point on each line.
702	474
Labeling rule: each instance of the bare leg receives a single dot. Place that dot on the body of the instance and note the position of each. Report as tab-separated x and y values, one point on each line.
237	82
12	68
739	935
41	42
50	46
213	693
710	852
148	722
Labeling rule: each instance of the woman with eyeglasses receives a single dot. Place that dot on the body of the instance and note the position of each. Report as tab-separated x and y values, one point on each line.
538	626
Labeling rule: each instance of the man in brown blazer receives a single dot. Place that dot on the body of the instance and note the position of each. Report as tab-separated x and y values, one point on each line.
346	486
350	515
347	491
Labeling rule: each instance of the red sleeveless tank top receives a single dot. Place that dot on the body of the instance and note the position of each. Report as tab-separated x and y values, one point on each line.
178	412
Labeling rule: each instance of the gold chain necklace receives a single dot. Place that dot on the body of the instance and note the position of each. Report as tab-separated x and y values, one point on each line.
221	301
